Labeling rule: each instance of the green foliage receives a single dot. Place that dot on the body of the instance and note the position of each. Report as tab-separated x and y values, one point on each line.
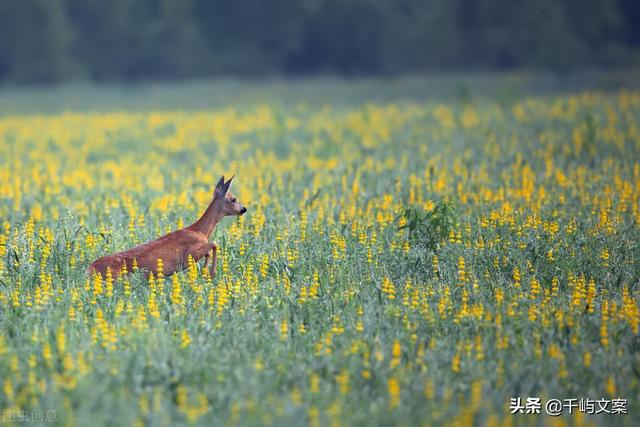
429	228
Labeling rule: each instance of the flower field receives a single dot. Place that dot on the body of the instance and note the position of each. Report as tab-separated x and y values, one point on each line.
407	263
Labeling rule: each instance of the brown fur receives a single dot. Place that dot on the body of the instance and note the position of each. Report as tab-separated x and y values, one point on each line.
174	248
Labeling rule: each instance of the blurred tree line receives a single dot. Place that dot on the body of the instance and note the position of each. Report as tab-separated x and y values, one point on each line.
55	40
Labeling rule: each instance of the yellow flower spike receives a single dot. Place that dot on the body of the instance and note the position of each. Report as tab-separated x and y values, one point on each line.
143	404
396	353
176	291
302	296
8	389
108	283
611	386
455	363
264	266
61	340
604	331
97	285
604	256
630	310
462	275
314	383
393	388
314	416
159	269
534	288
516	277
388	288
47	355
342	379
185	339
586	359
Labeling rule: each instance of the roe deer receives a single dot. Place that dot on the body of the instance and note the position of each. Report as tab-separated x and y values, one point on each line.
174	248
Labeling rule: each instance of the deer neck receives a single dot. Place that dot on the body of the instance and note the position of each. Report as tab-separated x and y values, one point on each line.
209	219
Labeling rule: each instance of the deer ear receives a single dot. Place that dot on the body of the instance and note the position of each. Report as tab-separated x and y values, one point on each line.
219	191
227	184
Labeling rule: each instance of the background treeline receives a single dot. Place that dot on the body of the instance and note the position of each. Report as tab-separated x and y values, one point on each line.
58	40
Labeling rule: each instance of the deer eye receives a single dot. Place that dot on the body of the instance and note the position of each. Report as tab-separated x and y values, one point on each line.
233	200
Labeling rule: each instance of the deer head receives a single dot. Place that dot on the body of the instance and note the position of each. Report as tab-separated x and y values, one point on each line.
225	200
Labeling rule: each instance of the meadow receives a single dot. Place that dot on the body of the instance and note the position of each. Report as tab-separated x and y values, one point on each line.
403	262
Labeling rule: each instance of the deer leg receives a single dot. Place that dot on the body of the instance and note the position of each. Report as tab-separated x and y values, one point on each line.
214	260
211	254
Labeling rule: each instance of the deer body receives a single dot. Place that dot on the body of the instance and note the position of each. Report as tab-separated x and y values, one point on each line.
175	248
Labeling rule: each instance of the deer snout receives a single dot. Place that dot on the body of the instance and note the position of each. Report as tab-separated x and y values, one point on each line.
243	210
